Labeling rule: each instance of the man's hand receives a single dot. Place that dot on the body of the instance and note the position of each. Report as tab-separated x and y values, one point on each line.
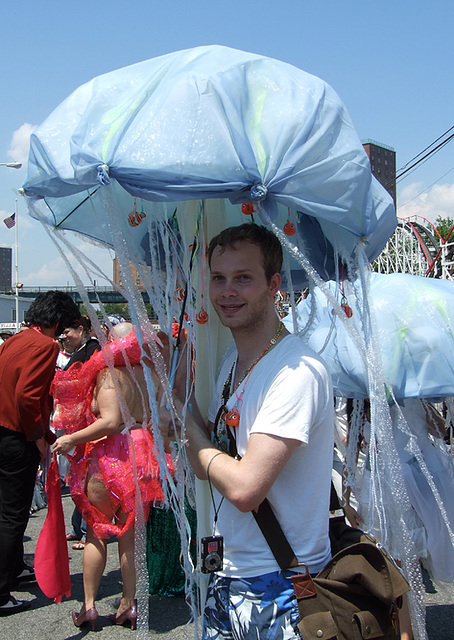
170	424
43	448
163	346
164	366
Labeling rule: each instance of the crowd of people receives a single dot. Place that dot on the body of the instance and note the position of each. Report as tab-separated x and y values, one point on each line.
266	441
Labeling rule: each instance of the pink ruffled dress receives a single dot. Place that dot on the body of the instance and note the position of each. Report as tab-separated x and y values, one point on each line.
122	461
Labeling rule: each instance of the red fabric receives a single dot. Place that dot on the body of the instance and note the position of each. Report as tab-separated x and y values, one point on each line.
51	554
118	461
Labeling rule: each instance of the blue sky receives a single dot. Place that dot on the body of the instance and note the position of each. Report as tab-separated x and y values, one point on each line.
391	62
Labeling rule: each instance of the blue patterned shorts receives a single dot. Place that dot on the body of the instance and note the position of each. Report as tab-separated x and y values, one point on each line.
259	608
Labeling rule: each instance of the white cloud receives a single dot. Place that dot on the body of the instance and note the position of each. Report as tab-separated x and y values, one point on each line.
430	204
53	272
20	143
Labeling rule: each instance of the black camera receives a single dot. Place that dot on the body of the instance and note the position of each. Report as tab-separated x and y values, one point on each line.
212	554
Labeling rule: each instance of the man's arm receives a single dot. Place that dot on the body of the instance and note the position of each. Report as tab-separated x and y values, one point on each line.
245	482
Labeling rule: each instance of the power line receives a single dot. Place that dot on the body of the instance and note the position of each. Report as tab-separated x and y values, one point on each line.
435	150
414	162
424	150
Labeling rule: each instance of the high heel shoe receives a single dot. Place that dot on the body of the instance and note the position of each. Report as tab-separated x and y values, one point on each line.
128	615
89	616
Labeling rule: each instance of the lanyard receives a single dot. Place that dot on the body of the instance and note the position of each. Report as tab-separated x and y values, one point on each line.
215	509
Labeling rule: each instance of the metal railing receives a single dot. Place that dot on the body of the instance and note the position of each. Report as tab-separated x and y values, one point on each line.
95	293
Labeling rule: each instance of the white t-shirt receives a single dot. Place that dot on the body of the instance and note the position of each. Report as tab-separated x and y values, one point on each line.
289	395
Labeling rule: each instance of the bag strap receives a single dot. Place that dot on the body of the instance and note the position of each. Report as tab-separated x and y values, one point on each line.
275	537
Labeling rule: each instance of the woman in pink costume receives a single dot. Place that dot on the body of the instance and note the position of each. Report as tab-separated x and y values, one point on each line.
105	414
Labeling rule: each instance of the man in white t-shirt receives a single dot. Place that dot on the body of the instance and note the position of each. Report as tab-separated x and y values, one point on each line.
277	416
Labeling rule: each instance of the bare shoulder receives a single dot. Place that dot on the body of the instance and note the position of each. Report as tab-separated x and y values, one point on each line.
106	379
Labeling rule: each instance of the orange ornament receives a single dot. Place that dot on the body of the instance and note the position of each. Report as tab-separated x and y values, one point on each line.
140	215
289	228
347	310
202	316
232	418
132	219
179	294
136	217
247	208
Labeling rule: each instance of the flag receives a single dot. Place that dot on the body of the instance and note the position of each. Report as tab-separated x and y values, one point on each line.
11	221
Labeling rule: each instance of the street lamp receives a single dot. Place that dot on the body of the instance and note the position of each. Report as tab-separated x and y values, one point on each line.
11	165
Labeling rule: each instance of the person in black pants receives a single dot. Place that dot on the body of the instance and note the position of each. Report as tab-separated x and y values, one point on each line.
27	365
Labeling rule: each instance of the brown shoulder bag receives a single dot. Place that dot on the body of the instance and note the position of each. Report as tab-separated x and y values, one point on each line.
356	595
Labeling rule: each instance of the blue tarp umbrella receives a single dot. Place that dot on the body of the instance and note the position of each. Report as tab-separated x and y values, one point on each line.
211	123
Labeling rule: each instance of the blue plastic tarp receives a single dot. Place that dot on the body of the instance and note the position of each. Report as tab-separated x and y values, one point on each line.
212	122
412	329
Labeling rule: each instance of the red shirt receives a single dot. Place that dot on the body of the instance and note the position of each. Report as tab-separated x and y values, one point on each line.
27	365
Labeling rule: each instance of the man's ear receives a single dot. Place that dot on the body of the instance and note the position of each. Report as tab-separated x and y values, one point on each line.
275	283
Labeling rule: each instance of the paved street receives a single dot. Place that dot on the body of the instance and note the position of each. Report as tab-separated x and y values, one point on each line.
45	620
169	617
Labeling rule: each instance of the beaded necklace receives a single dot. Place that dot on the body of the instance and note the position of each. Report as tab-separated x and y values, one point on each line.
246	374
232	418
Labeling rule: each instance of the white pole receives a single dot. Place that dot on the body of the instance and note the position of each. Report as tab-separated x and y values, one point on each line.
15	165
16	257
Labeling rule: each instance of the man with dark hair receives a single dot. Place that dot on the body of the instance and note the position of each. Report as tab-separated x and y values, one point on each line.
269	435
27	365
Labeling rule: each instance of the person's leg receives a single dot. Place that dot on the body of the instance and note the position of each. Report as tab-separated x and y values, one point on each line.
216	618
78	531
94	563
264	607
128	570
95	551
83	529
406	632
19	462
127	610
405	628
76	519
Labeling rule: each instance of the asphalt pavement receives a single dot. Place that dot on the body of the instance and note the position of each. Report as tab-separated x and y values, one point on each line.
169	618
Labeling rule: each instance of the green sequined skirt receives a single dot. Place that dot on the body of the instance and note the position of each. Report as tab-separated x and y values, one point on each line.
165	571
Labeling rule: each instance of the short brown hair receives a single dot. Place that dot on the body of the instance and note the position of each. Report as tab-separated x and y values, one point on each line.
269	244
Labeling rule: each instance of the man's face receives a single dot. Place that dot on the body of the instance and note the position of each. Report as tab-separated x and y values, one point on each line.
239	291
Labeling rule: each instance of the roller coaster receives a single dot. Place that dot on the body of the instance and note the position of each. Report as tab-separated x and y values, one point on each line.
417	247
